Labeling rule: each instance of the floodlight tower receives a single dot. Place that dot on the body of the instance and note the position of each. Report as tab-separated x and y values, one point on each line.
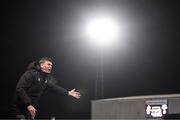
102	32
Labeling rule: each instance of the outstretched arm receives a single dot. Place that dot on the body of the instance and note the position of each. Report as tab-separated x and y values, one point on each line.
63	91
74	93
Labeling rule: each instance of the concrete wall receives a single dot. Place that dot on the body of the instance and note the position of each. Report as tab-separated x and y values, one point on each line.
130	108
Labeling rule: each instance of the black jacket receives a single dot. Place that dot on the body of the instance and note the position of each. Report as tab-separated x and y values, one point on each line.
31	86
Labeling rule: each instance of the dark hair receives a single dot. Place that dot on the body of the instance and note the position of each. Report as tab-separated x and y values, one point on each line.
43	59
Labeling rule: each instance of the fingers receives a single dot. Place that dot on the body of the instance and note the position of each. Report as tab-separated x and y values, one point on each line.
74	93
32	111
73	89
77	95
32	114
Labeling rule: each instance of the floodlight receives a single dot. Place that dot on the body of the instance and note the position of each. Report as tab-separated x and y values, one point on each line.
102	31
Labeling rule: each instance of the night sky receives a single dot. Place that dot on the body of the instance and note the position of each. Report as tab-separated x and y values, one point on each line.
146	64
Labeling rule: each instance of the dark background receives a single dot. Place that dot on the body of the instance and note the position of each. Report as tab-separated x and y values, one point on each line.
36	28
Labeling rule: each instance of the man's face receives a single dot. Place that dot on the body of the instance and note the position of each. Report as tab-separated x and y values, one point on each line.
46	66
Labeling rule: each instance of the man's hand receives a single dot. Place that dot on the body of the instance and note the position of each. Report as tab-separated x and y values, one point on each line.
31	110
73	93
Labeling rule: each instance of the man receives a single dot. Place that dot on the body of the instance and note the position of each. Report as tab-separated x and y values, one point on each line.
31	86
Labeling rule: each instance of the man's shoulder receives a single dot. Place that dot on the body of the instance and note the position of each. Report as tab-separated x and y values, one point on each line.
32	72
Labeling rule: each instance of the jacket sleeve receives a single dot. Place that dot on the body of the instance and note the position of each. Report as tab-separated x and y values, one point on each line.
22	86
54	87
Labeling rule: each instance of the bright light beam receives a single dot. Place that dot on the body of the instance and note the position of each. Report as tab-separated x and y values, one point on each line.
102	31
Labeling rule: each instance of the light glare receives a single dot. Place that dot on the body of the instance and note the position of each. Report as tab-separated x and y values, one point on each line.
102	31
